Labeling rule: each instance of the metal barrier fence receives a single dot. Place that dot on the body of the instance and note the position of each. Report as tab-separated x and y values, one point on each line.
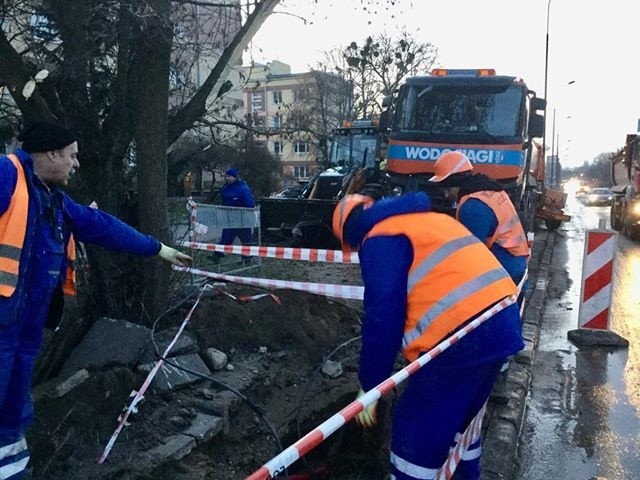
221	224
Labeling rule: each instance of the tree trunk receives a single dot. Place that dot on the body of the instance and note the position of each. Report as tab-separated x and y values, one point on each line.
151	67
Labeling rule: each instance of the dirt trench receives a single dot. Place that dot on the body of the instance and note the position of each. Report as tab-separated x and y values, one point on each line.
284	346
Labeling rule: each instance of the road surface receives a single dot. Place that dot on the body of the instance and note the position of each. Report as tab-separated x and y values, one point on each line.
583	416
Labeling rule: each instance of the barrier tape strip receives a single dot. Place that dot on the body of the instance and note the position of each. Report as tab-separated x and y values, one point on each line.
470	435
312	439
352	292
139	395
287	253
249	298
192	207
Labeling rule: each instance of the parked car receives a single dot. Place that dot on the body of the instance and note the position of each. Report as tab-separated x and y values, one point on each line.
599	196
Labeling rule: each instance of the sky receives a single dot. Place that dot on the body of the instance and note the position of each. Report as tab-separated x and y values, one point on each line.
593	81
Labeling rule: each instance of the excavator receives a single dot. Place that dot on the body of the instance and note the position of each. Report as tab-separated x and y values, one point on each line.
353	162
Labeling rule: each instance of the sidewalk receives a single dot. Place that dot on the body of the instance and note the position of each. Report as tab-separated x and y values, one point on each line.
503	421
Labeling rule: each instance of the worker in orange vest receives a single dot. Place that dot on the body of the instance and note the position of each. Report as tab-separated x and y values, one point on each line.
485	209
38	223
425	277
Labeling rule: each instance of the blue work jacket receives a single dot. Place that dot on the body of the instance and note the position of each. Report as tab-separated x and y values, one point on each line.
39	256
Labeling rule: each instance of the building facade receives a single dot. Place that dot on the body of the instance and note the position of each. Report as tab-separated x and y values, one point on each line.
293	114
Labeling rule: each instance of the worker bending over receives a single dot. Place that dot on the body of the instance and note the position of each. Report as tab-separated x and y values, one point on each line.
425	277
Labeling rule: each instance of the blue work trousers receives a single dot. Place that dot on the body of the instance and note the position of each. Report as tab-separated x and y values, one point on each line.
20	342
437	406
230	234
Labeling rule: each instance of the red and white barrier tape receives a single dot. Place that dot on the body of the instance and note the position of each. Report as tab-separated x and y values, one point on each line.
328	290
139	395
192	207
312	439
287	253
462	445
249	298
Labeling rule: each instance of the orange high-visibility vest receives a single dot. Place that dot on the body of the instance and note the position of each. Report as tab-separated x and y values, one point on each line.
13	228
452	279
509	233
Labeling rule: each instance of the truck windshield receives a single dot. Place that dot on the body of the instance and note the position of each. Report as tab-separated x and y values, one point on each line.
351	149
484	112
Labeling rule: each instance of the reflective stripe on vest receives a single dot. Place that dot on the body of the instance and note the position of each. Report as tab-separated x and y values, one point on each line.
13	228
509	234
452	279
12	238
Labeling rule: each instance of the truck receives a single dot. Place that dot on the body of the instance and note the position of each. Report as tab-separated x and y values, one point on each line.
353	162
493	119
625	177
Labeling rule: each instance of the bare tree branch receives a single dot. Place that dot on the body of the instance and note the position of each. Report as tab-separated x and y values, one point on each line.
196	107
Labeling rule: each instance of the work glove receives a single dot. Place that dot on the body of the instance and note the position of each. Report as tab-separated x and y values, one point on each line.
367	418
174	256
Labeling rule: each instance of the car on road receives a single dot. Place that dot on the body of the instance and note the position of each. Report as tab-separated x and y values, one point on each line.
599	196
583	189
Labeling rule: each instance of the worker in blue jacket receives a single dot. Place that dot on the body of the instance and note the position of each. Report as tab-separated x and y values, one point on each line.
486	210
235	193
425	277
39	224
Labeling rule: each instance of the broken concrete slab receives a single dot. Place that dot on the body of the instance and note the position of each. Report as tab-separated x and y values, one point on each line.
587	337
59	386
170	377
185	344
173	447
204	427
96	350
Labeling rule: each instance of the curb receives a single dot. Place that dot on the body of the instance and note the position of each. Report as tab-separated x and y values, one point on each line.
503	422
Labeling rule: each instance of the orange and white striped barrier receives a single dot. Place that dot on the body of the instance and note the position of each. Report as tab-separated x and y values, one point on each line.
352	292
597	273
312	439
285	253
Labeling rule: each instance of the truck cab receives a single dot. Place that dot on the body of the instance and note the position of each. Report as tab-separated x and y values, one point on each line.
491	118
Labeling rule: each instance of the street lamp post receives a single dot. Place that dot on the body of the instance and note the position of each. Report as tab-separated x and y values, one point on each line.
546	76
552	162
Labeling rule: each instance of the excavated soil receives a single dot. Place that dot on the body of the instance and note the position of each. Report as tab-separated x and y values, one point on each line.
276	346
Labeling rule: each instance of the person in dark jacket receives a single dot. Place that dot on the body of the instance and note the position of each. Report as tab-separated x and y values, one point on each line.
425	277
235	193
39	224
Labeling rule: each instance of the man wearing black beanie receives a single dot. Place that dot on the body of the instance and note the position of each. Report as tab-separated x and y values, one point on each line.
39	224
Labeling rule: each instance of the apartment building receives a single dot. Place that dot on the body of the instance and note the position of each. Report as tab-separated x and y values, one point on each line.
293	114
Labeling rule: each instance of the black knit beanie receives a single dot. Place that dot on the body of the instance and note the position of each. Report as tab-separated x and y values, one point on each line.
45	137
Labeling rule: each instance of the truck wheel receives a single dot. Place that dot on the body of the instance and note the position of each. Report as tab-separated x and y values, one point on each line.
615	223
552	224
614	219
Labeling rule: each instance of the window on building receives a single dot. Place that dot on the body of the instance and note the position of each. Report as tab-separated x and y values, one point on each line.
301	171
258	121
300	94
278	148
277	96
257	102
301	147
277	121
